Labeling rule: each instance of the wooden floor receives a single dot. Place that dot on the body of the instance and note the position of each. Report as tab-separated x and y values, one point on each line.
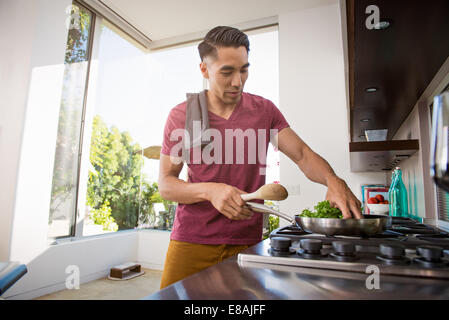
105	289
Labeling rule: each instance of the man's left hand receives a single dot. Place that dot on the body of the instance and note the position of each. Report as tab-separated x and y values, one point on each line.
341	197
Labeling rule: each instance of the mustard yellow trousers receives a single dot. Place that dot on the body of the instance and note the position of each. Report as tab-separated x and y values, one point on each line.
184	259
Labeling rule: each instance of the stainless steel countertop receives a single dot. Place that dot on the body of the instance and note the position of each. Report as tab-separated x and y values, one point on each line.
233	279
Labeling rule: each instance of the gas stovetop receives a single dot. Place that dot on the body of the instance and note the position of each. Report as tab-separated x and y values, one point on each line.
407	248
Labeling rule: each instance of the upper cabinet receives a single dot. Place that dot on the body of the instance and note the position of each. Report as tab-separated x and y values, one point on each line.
392	64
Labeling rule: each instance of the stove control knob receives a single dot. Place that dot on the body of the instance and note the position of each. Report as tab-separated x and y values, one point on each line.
311	245
344	248
392	251
430	253
280	243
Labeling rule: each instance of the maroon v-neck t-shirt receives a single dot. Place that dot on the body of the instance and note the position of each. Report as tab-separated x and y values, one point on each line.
247	134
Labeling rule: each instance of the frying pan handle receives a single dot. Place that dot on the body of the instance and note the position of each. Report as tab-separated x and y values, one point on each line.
265	209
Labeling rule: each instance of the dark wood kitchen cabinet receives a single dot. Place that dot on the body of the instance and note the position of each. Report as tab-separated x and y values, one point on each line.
390	67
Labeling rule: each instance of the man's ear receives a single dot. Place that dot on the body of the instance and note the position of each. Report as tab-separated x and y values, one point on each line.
204	70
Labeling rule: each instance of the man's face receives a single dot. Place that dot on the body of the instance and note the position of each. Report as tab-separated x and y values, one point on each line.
227	73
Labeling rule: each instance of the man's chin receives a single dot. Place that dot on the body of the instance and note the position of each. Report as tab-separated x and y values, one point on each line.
231	99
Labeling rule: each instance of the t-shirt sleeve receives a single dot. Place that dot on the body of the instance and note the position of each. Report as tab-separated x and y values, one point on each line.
278	121
174	133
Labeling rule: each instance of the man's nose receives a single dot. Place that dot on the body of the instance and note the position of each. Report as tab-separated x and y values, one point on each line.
236	80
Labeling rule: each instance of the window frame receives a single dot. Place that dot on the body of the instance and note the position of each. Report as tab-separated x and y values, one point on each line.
85	143
73	219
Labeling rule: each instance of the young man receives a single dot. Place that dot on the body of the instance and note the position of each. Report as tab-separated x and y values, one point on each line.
212	221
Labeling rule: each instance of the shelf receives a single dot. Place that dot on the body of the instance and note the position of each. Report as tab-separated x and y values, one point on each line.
380	156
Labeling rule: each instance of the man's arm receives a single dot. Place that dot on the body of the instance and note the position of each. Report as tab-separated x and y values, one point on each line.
225	198
318	170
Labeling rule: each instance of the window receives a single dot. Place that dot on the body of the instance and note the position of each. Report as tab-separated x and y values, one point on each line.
65	173
115	117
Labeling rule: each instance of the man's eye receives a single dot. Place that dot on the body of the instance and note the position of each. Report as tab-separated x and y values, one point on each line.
245	71
226	73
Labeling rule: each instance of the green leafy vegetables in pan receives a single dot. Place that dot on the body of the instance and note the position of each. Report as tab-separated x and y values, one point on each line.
323	210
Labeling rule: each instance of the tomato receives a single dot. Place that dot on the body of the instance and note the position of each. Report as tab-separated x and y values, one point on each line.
373	200
380	197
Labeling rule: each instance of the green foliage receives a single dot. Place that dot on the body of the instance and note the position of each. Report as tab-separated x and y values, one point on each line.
77	42
102	216
323	210
116	177
273	221
157	198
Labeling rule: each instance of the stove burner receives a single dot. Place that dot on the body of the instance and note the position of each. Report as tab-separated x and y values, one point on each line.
431	264
344	251
311	249
275	253
437	239
280	243
280	247
430	257
430	253
311	245
393	254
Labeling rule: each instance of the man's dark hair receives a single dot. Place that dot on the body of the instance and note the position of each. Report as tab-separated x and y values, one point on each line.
222	36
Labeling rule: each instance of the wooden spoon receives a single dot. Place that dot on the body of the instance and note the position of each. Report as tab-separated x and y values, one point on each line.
270	191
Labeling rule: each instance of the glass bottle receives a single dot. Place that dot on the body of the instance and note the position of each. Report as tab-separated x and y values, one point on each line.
392	195
398	195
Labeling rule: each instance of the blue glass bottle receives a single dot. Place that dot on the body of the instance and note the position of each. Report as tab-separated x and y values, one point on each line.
398	196
393	195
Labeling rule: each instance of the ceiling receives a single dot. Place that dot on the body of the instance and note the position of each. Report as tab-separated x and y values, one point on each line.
400	61
172	18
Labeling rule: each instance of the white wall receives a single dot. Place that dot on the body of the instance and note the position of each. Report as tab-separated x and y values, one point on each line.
153	245
313	99
15	59
37	147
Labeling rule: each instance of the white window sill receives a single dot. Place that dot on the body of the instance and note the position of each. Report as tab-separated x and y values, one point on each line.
66	240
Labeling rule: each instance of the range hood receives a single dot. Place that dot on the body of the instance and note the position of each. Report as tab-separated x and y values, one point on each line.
378	156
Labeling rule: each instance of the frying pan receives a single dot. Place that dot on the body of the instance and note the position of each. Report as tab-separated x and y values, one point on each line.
368	226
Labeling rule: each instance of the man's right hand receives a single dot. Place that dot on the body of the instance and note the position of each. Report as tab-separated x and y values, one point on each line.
227	200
